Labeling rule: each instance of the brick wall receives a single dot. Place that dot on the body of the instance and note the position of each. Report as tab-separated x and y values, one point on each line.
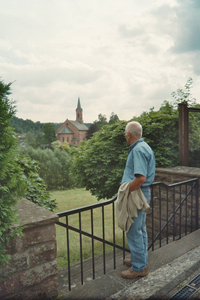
31	272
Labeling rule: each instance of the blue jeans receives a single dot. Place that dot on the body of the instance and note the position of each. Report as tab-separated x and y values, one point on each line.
137	239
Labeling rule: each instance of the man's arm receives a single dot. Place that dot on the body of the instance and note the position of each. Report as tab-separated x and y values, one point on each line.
137	182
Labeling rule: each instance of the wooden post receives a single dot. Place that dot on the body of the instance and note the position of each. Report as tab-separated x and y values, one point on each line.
183	134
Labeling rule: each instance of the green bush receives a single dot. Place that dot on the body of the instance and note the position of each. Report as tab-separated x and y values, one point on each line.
36	189
54	166
98	164
11	183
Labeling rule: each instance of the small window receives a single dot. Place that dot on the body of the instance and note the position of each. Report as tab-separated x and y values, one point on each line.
67	139
63	139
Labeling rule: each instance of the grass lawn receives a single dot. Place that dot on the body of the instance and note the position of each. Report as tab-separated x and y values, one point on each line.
75	198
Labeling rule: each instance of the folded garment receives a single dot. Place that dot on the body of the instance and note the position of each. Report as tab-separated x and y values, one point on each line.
127	205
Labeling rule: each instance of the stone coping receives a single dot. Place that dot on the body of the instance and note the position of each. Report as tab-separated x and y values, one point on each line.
30	213
180	170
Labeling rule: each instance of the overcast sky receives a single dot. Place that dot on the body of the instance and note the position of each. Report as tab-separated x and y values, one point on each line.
121	56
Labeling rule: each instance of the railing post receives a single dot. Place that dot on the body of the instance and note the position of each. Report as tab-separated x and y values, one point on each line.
197	205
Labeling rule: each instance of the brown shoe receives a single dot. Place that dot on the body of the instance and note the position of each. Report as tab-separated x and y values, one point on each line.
127	261
130	273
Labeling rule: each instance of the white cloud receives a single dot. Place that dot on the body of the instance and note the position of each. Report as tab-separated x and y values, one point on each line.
118	56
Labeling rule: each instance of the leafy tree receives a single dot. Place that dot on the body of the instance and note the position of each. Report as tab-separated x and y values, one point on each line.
23	126
184	96
11	184
102	120
39	140
160	131
92	129
113	118
30	139
36	189
98	164
49	131
54	166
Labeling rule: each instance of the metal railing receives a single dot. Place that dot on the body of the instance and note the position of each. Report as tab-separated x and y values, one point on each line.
174	213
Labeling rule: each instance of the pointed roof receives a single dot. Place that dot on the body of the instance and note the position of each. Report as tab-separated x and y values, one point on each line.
79	104
65	130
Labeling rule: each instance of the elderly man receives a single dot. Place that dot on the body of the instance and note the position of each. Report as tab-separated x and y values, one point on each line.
140	172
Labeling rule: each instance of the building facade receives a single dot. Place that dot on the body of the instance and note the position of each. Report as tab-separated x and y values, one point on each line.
73	132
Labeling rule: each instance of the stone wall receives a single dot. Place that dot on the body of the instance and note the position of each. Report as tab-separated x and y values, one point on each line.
31	272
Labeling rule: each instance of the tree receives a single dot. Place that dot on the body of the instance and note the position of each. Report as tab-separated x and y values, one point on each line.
92	129
54	166
49	131
98	164
113	118
36	189
11	183
102	120
184	96
160	131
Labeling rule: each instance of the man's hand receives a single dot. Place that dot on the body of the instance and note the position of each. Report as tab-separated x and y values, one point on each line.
136	183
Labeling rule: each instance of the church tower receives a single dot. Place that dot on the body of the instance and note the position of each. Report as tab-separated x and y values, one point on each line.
79	111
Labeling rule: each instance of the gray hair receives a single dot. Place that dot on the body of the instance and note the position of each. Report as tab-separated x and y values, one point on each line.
134	128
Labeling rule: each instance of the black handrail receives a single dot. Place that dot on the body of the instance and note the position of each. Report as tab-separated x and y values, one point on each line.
160	193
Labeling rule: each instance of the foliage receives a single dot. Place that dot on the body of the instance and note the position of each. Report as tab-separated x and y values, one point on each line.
11	184
49	131
113	118
92	129
36	189
102	120
184	96
55	166
98	164
24	126
98	124
160	131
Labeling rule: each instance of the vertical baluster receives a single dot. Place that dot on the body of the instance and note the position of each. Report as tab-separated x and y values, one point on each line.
160	213
113	217
197	206
92	233
68	254
186	201
81	247
173	213
103	229
167	216
123	245
191	209
152	204
180	215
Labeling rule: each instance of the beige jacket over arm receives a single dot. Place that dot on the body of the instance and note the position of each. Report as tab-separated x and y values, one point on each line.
127	205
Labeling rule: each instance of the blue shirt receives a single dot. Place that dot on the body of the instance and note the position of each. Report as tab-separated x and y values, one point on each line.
140	160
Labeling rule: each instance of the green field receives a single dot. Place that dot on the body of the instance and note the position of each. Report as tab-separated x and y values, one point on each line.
70	199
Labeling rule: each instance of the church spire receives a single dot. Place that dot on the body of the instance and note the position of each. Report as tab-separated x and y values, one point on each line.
79	104
79	112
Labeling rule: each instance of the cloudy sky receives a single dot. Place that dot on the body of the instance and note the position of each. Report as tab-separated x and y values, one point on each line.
121	56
